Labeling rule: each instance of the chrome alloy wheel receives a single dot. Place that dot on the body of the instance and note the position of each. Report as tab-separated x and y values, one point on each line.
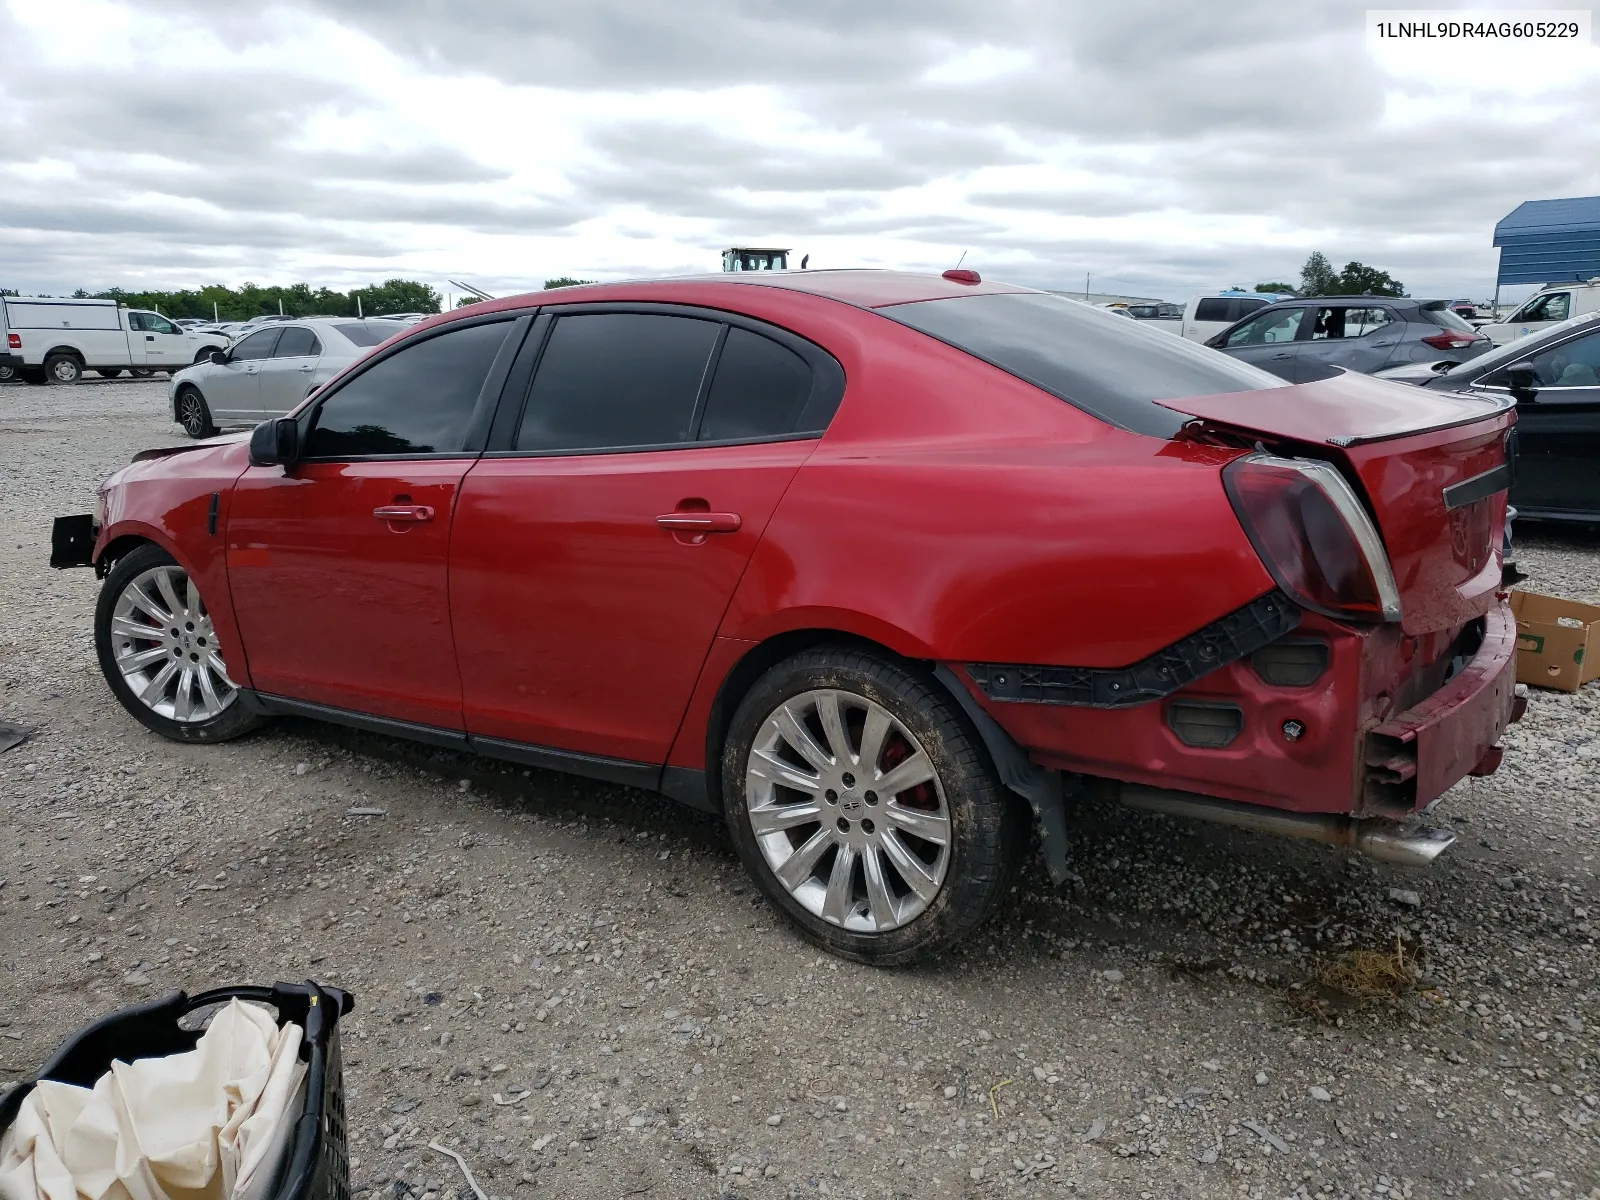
192	413
848	811
165	647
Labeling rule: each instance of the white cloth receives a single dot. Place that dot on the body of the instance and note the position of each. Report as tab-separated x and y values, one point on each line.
204	1125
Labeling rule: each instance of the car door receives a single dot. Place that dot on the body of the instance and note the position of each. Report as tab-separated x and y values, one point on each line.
1558	430
338	565
286	377
1354	337
233	388
165	344
1266	340
599	542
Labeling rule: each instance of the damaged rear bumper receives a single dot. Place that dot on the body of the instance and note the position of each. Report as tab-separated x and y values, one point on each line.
1414	757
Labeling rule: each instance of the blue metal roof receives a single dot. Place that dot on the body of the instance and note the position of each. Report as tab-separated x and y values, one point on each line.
1548	241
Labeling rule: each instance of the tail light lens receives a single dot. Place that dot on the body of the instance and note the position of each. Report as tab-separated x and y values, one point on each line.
1313	536
1452	339
14	341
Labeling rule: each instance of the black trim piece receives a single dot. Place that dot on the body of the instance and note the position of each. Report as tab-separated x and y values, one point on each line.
453	739
72	542
596	451
1470	491
211	513
514	396
688	786
1225	640
1041	787
612	770
494	383
699	414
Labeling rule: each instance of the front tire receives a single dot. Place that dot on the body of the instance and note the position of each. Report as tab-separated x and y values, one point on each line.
63	368
194	414
159	651
865	806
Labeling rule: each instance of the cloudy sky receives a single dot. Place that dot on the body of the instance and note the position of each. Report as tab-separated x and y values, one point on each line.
1163	147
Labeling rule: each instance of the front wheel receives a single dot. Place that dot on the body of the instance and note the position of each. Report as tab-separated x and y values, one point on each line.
193	413
865	806
158	650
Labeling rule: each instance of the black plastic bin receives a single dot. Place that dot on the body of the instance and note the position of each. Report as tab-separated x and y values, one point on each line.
316	1163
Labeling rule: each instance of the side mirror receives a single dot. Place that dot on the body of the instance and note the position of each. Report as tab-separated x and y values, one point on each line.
1522	380
275	443
219	357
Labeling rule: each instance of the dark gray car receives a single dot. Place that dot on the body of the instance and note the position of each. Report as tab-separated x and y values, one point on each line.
1554	377
1311	338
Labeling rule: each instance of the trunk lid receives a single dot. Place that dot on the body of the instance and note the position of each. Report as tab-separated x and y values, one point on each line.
1431	465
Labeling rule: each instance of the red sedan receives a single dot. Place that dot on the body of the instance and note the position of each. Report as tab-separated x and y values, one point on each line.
884	567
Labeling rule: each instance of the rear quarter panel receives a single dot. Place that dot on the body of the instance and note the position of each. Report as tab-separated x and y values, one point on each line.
954	512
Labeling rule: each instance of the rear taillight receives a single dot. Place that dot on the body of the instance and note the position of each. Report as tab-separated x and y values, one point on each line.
1313	536
14	341
1452	339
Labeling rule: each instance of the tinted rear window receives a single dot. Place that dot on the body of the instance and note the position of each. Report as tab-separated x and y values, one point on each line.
1214	309
370	333
1444	318
760	390
1110	367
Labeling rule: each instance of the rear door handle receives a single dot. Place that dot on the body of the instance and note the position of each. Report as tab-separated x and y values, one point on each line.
307	369
1285	354
403	512
700	522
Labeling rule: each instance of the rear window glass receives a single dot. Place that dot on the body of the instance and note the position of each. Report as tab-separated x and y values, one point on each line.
1112	368
370	333
1444	318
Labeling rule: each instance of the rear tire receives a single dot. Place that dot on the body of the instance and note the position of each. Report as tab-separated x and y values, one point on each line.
141	372
860	761
194	414
159	653
63	368
109	374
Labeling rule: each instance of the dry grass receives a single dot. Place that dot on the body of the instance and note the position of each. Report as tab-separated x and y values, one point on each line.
1358	979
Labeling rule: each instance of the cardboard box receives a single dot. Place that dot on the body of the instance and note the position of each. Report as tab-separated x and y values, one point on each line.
1558	645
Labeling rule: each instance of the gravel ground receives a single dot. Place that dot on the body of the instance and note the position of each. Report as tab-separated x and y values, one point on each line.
574	986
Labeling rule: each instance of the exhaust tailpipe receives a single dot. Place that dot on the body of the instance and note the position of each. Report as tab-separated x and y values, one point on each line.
1384	840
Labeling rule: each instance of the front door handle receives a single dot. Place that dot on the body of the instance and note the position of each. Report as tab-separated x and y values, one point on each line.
149	337
1285	354
308	370
699	522
403	512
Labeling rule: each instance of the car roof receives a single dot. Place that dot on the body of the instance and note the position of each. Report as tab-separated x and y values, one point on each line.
861	288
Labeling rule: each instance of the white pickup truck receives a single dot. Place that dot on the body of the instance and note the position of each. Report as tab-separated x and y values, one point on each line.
50	340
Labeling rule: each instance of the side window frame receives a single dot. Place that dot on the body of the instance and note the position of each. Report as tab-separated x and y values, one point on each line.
827	380
483	410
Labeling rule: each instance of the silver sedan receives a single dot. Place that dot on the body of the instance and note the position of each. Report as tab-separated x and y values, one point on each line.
268	372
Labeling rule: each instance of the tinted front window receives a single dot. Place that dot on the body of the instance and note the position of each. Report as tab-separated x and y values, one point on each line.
370	333
1571	364
1112	368
417	401
760	389
1515	351
297	342
610	380
257	345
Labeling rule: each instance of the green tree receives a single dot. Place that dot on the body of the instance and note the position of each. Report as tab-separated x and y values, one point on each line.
1317	277
397	296
1359	280
1277	289
561	281
467	300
